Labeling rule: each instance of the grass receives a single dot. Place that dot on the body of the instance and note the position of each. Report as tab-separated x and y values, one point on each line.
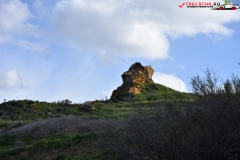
176	122
75	145
64	146
11	145
158	92
72	144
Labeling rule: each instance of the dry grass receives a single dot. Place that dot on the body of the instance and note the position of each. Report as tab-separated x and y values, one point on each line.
67	124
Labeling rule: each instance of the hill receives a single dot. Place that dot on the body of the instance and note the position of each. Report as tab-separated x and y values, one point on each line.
138	89
39	130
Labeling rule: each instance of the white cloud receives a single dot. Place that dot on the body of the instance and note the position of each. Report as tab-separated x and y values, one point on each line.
10	79
13	13
14	16
41	9
134	28
32	46
39	6
170	81
108	93
181	66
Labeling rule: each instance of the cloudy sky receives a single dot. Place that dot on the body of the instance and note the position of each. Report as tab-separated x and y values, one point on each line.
78	49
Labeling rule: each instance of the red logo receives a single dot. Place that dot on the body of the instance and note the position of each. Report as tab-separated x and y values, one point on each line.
180	6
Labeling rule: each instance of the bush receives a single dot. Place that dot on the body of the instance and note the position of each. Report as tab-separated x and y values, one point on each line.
60	157
205	130
86	108
220	103
15	151
165	133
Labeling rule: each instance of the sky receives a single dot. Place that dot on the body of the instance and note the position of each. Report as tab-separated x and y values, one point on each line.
78	49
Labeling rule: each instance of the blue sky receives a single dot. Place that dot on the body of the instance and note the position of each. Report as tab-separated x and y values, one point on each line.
78	49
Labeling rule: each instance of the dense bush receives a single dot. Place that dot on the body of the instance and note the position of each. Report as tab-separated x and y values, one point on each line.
206	130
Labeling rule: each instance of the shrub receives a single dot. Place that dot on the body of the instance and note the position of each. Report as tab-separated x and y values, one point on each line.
86	108
15	151
205	130
60	157
165	133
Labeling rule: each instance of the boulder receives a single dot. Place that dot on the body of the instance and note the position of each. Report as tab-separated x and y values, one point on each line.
132	80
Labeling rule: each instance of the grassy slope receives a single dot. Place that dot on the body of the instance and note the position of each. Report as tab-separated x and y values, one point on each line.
158	92
69	146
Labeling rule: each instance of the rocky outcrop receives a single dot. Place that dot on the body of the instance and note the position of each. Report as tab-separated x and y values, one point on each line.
132	80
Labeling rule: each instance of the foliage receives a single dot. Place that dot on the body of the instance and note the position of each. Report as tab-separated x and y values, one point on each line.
159	93
159	123
207	129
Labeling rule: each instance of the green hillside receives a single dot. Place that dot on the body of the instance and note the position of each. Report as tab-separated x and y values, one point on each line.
34	110
157	92
159	122
17	114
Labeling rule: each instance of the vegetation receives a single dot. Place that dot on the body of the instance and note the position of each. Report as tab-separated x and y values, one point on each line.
207	129
157	92
160	123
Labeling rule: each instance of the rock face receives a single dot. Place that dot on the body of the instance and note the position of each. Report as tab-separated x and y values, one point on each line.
132	79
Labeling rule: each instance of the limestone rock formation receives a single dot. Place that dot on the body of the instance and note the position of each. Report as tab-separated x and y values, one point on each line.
132	79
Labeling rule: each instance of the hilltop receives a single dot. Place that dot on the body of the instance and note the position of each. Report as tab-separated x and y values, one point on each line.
132	81
139	86
138	89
